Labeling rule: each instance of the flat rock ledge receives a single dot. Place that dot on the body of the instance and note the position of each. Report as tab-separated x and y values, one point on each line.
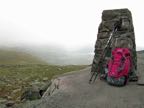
72	90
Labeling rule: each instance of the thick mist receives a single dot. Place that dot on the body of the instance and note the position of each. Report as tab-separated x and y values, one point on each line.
60	32
57	55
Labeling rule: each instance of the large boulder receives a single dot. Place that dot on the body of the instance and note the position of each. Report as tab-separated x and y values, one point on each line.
36	90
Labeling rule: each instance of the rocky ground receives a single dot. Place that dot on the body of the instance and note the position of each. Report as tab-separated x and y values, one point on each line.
75	92
19	83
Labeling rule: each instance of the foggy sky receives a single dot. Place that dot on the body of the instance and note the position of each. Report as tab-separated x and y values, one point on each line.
70	23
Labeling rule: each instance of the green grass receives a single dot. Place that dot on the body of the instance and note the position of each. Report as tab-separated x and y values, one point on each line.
16	77
18	70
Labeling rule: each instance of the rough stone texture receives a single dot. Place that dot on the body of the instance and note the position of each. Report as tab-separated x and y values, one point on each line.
140	68
36	91
124	37
75	92
31	94
10	103
53	87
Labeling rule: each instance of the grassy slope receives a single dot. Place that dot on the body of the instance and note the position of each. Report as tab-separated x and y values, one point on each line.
9	56
17	77
19	70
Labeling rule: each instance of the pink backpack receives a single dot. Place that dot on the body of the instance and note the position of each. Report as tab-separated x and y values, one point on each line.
120	64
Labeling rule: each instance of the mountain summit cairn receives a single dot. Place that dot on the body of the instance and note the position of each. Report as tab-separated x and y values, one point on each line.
124	37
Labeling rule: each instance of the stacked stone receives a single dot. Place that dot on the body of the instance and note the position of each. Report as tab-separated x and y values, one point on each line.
124	37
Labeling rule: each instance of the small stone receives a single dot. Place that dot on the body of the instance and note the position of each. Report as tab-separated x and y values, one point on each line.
2	100
16	91
9	85
31	94
59	69
9	97
45	79
18	100
10	103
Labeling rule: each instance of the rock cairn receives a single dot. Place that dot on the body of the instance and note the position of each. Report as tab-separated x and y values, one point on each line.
124	37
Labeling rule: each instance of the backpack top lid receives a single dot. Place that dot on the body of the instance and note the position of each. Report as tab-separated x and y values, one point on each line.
125	52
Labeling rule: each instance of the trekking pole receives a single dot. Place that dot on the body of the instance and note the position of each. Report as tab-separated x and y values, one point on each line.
95	74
